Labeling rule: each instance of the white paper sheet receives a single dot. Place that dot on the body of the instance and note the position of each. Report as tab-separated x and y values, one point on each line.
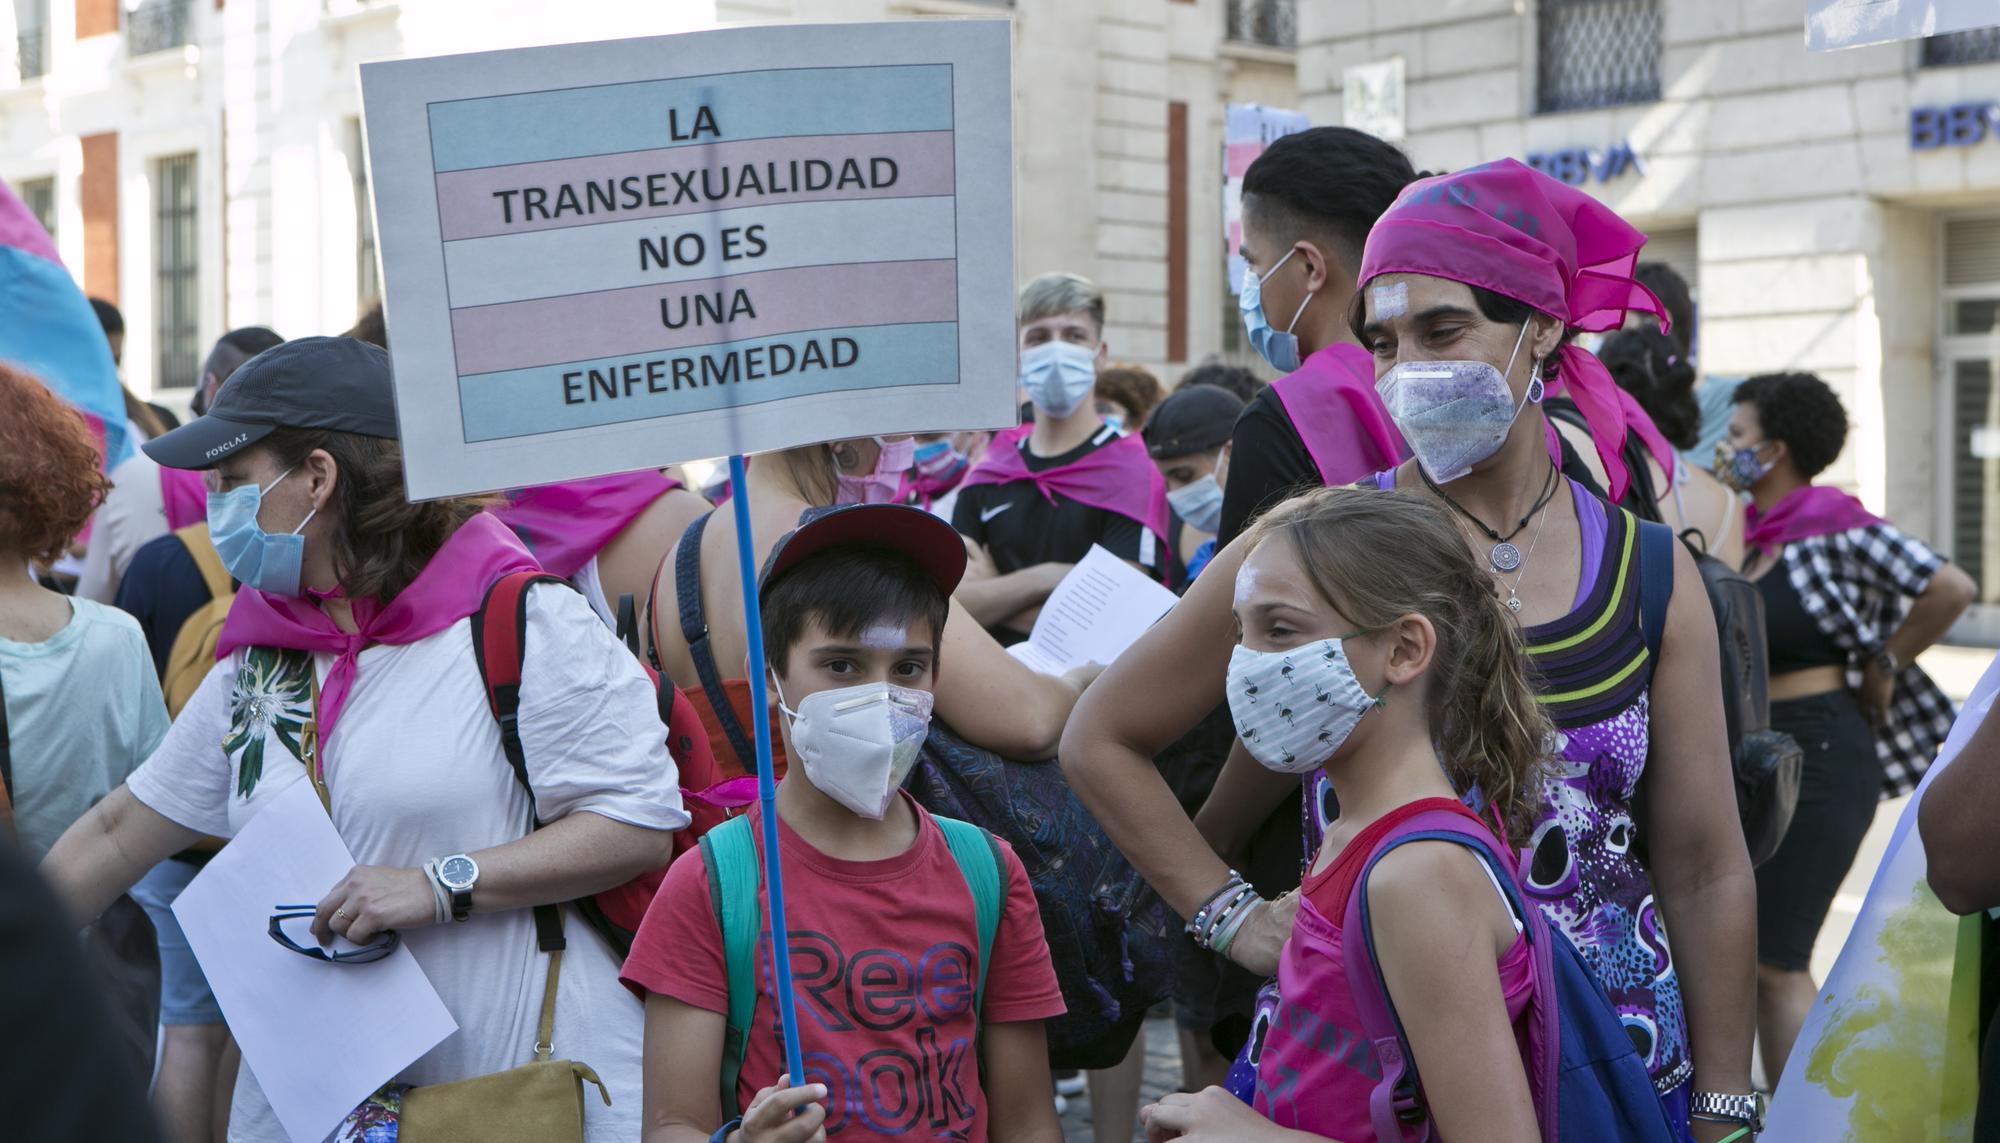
319	1037
1100	608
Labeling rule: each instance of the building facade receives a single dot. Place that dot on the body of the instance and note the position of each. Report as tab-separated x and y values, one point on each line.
200	162
1837	213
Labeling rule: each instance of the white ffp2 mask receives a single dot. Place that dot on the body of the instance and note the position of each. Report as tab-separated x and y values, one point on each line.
858	743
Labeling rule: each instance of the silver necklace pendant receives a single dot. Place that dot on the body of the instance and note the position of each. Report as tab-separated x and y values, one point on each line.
1504	557
1514	604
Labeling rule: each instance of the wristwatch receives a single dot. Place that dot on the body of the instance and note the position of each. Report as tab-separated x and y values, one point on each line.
1745	1109
1887	660
458	874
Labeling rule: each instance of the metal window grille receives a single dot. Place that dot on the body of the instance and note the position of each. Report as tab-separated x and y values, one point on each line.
1598	53
157	25
39	195
1979	45
1273	23
367	276
176	274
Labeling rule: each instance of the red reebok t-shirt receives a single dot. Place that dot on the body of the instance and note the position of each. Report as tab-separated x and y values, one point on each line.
883	967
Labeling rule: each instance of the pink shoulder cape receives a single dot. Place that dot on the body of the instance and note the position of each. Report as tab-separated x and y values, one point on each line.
1119	478
1332	402
1811	511
565	525
450	587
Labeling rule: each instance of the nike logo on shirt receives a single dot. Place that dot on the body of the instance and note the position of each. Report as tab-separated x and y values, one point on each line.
987	514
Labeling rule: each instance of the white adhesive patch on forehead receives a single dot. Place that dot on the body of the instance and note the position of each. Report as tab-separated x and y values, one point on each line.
888	637
1392	301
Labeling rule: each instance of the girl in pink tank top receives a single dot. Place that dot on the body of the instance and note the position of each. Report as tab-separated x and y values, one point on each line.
1374	650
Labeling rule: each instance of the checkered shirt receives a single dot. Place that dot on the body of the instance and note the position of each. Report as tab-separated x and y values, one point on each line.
1856	585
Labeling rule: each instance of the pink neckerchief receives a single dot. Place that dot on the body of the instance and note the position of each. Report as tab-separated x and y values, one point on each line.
1612	413
1118	477
185	496
1814	510
451	587
567	524
1332	402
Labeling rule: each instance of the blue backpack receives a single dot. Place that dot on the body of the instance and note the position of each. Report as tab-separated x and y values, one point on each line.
729	853
1588	1081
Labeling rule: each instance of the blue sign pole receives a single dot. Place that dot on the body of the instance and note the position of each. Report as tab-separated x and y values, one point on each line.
767	790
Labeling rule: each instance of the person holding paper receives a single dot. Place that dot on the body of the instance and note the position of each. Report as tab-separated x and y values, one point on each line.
906	1030
1044	493
697	613
348	662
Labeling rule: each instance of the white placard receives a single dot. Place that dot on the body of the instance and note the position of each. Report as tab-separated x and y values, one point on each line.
1834	24
1100	608
1371	98
320	1037
611	256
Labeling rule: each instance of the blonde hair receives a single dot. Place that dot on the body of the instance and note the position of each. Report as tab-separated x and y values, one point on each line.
1378	557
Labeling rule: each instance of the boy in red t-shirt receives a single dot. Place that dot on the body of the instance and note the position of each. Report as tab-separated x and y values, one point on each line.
884	940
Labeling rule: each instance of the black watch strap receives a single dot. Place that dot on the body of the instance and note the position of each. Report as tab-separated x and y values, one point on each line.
461	904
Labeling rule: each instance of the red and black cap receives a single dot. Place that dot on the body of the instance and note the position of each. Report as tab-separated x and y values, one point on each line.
913	532
334	383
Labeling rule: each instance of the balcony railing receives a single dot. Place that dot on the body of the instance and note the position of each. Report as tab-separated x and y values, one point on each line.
157	25
1980	45
31	52
1271	23
1598	53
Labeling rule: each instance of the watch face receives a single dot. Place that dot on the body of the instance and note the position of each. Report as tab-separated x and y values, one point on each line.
458	872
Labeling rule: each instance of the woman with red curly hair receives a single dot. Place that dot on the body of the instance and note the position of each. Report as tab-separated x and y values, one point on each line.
83	705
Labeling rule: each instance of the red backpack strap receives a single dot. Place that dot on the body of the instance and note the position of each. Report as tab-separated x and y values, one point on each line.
499	644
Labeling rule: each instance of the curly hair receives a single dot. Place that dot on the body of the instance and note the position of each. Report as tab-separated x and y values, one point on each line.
1652	367
1377	558
1801	410
383	540
1132	386
51	470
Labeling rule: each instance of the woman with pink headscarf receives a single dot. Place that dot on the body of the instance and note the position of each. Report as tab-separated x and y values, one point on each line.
1472	286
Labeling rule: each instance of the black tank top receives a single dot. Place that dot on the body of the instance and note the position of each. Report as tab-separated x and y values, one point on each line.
1796	642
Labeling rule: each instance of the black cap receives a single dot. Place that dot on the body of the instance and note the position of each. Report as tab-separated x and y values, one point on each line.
934	544
1193	419
334	383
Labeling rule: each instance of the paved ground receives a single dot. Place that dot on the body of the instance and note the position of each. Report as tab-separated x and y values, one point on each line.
1955	669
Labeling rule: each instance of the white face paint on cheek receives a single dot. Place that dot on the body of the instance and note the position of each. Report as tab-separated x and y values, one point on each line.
1390	301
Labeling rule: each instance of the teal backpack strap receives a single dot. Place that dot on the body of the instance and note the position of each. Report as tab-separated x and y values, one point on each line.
980	863
729	854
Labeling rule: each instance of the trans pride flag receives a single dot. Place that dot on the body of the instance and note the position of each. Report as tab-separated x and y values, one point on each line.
47	328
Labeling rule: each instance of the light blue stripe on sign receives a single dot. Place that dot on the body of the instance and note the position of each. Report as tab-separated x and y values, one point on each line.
569	123
642	387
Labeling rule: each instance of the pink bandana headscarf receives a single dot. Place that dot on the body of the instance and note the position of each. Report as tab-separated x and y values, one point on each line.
451	586
1512	230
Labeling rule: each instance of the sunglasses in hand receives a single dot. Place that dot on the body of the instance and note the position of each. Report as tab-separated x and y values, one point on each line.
384	943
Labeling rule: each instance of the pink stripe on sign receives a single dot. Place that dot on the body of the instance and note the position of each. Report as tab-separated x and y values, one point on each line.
1237	157
692	180
614	323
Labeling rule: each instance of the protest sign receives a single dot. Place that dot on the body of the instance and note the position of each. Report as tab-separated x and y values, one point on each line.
1247	129
605	257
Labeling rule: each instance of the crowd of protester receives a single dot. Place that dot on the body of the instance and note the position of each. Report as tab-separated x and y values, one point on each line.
1443	690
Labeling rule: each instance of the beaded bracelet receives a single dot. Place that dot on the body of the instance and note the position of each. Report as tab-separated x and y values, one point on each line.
1200	921
1224	912
1226	933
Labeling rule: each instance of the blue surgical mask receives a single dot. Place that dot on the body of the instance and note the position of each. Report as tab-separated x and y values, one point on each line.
1281	349
1058	376
1199	502
258	559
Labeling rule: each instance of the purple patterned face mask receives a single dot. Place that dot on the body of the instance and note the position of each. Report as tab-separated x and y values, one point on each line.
1455	414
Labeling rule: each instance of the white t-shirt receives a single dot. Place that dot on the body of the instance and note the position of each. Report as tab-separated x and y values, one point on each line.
133	512
592	588
416	771
83	710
